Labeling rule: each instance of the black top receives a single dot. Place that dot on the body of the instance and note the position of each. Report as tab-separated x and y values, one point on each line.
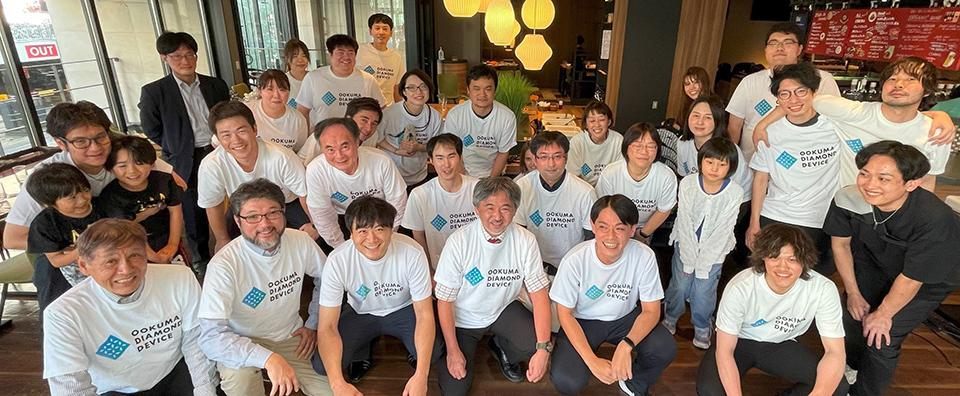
50	232
920	240
116	201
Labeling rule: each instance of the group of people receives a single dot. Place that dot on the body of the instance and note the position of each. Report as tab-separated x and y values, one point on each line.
324	176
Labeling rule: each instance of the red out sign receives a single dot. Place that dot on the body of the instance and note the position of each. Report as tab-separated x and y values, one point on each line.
41	51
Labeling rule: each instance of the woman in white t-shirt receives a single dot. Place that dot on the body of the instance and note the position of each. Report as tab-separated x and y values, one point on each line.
277	121
595	147
296	58
762	312
651	185
408	125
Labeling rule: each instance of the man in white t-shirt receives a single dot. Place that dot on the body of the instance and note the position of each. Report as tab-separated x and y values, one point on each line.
608	290
144	338
487	128
384	64
444	204
752	100
326	91
595	147
344	173
82	132
243	157
386	278
365	112
250	307
554	205
481	272
765	308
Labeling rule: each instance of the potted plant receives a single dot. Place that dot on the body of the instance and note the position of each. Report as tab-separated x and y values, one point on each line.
513	91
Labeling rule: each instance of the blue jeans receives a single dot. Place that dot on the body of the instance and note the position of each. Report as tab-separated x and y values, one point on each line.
701	292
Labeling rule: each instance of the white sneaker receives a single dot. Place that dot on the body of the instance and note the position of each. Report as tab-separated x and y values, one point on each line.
671	326
850	374
625	388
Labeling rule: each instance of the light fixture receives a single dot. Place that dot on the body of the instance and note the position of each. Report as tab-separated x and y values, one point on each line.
533	52
513	35
498	21
484	4
462	8
537	14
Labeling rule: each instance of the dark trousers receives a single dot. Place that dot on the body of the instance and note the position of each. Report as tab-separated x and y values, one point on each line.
655	352
741	253
195	217
177	383
341	220
788	360
825	266
515	335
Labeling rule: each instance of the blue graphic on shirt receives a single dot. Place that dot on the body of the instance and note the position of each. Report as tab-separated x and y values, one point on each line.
759	323
369	69
363	291
474	276
339	197
438	222
594	292
786	160
856	145
254	298
328	98
292	103
585	170
112	348
468	141
536	218
763	107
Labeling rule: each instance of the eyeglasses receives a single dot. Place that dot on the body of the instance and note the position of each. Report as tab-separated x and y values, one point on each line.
555	157
421	87
256	218
784	43
641	146
82	143
180	57
799	92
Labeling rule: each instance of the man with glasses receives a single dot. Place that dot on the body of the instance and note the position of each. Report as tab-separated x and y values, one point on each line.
326	91
82	132
173	114
250	305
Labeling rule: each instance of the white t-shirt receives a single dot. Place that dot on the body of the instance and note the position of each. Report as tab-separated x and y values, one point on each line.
392	128
290	130
330	191
657	192
385	66
556	218
752	311
489	276
25	208
860	124
220	175
687	164
752	100
379	287
311	148
439	213
804	166
484	137
260	295
86	330
587	159
294	90
598	291
327	95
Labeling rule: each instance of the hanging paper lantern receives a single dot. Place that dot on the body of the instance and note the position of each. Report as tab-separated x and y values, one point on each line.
537	14
498	21
533	52
484	4
462	8
513	35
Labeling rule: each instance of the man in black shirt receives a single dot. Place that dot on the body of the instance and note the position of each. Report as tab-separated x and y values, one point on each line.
895	246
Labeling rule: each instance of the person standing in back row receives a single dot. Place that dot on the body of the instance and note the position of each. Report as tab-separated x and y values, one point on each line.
487	128
326	91
384	64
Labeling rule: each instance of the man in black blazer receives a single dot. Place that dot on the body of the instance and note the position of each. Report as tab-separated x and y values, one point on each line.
173	113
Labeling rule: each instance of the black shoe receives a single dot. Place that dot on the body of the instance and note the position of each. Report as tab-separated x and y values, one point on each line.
359	369
412	360
511	371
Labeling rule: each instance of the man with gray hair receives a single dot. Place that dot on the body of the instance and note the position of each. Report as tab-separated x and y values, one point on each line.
481	271
249	310
146	318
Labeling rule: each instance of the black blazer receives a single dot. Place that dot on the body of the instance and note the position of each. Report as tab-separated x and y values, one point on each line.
165	120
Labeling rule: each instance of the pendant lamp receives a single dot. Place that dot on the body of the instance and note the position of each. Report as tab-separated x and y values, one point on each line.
462	8
513	35
537	14
484	4
498	21
533	52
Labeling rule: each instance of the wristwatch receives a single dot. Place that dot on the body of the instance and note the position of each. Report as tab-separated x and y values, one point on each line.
547	346
629	342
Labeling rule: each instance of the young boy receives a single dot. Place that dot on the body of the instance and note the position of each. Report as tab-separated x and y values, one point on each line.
702	236
151	198
64	193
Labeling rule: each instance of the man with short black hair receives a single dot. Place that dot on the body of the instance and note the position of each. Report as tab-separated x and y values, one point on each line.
487	128
384	64
326	91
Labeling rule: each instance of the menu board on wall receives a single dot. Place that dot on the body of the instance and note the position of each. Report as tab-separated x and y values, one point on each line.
888	34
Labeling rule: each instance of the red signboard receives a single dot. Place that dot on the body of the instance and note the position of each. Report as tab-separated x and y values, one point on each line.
888	34
41	51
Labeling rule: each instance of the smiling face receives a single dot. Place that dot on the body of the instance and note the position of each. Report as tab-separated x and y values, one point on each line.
92	156
701	121
691	87
882	185
342	61
131	174
367	121
530	161
597	125
299	62
266	233
481	92
612	235
714	170
496	212
782	271
551	162
799	101
273	97
340	149
238	138
76	205
642	152
902	90
416	96
119	270
372	242
381	33
446	161
784	51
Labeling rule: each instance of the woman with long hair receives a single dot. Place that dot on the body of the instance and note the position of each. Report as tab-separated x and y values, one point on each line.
696	83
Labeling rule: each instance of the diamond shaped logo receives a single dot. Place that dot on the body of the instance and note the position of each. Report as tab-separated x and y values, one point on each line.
438	222
536	218
112	348
292	103
254	298
363	291
468	141
339	197
856	145
594	292
786	160
759	323
369	69
585	170
328	98
763	107
474	276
